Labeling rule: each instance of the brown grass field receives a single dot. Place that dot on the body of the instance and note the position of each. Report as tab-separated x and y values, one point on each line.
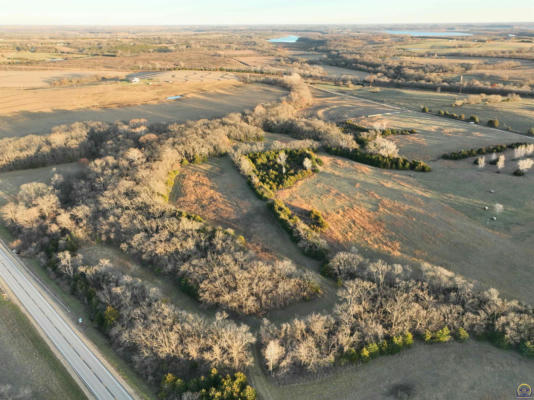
518	115
43	78
207	104
329	105
107	94
437	216
436	136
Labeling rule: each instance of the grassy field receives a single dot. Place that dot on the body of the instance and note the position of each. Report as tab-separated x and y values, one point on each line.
519	115
43	78
193	107
102	95
216	191
334	107
28	362
436	135
464	45
471	370
437	217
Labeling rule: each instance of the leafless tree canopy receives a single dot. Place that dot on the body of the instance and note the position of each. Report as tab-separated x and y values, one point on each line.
380	301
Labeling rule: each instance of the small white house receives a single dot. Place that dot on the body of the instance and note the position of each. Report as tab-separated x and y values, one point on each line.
135	80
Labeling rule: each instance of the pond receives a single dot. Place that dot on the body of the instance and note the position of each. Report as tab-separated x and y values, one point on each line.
285	39
435	33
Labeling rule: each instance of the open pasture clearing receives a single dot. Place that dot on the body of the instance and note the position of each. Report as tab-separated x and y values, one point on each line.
464	45
195	106
437	135
338	72
331	106
519	115
437	217
28	362
184	76
218	193
10	57
187	58
471	370
42	78
101	95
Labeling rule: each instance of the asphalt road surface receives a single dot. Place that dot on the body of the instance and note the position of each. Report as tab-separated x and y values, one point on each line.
98	379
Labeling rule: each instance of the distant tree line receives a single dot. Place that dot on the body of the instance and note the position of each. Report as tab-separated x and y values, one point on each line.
380	161
497	148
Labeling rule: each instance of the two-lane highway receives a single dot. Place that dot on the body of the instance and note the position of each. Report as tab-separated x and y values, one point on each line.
66	339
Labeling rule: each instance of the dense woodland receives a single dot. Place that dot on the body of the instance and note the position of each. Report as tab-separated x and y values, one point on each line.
382	307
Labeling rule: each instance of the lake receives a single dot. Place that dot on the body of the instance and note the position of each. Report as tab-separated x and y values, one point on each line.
422	33
285	39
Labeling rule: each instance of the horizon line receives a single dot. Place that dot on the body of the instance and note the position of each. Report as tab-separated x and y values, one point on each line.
275	24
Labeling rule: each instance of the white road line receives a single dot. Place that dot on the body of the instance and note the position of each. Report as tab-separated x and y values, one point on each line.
64	337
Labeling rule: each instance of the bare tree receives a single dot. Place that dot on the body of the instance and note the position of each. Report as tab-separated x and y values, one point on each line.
273	353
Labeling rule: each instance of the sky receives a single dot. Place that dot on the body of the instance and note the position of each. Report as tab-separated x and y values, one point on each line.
209	12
